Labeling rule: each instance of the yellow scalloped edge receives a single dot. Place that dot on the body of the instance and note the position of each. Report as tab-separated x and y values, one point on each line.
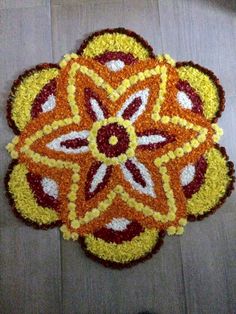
125	252
115	42
24	199
214	187
26	92
205	88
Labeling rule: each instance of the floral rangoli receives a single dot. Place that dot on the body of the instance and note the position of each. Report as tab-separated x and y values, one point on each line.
116	146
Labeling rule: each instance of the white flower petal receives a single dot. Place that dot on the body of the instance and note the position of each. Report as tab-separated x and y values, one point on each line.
118	224
49	104
151	139
98	178
187	174
145	175
56	144
50	187
184	100
115	65
96	109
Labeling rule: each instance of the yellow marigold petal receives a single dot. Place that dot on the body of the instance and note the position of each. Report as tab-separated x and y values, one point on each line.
214	187
25	94
127	251
171	230
120	42
205	87
24	199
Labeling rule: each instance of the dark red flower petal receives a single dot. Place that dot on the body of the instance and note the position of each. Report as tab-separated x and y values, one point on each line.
42	198
185	87
42	97
200	171
91	173
132	108
136	174
110	235
88	95
127	58
75	143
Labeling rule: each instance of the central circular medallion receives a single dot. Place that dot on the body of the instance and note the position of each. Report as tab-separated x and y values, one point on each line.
112	140
116	134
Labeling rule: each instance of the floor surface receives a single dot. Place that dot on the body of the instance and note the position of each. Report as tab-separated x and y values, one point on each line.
194	273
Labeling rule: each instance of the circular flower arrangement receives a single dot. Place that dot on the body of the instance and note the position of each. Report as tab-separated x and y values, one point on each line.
117	146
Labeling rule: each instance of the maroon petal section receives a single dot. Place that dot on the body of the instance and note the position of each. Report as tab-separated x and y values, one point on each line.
75	143
132	108
229	189
14	88
42	97
88	94
110	235
214	80
91	173
127	58
42	198
185	87
194	186
169	138
103	135
136	174
11	201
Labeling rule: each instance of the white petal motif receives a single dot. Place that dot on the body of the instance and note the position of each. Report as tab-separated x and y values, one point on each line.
143	96
49	104
56	144
115	65
97	109
50	187
184	100
118	224
187	174
151	139
148	186
98	178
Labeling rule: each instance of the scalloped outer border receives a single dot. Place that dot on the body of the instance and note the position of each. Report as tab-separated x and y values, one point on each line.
120	266
214	79
28	222
120	30
228	191
162	233
16	83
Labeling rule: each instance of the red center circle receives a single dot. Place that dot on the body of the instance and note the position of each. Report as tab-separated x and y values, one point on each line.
103	136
